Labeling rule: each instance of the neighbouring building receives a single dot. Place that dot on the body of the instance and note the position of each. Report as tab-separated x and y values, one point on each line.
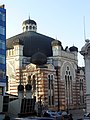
57	80
2	54
85	51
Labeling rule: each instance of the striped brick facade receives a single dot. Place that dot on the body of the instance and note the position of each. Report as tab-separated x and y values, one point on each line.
59	93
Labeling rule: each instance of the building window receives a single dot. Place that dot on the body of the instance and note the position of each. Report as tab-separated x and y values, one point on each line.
81	92
49	100
29	79
2	44
49	81
2	30
26	27
51	89
2	74
1	90
30	27
34	83
68	86
2	16
33	27
2	59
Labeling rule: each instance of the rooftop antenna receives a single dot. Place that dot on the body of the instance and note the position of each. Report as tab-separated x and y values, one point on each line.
84	28
29	19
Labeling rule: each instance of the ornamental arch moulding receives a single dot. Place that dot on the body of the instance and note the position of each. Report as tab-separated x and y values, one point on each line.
67	70
50	66
31	67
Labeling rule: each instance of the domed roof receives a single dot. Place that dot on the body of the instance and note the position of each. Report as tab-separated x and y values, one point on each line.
73	48
39	58
28	87
84	49
29	21
32	42
20	88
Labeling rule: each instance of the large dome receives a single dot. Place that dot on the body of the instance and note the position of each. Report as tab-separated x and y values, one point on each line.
32	42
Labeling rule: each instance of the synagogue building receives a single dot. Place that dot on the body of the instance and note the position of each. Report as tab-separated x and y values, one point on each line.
52	71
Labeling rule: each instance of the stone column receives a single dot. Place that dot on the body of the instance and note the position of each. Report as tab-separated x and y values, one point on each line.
87	76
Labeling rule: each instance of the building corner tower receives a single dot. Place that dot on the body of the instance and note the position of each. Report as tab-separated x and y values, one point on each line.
2	54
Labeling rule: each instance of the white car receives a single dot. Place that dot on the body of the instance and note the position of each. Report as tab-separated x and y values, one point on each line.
33	118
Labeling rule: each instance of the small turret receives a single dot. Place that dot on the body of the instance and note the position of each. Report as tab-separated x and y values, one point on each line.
56	47
74	50
29	25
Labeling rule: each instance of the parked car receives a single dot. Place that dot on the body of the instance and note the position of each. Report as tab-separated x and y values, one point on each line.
65	115
87	116
59	113
52	114
34	118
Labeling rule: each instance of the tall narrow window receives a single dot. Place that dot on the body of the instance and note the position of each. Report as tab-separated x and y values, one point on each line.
49	81
34	83
49	100
81	92
50	89
68	86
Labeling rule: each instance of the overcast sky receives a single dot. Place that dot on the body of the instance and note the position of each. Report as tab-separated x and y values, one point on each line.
61	19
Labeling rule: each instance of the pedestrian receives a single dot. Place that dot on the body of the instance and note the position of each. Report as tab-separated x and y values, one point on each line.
6	117
70	117
62	117
46	114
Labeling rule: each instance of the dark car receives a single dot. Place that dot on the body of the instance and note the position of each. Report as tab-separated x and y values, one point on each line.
87	116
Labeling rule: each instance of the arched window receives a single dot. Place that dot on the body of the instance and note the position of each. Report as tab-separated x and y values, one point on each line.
33	27
81	92
34	83
30	27
51	89
29	79
26	27
68	85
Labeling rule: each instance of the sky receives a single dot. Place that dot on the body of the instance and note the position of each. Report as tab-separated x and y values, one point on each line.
59	19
